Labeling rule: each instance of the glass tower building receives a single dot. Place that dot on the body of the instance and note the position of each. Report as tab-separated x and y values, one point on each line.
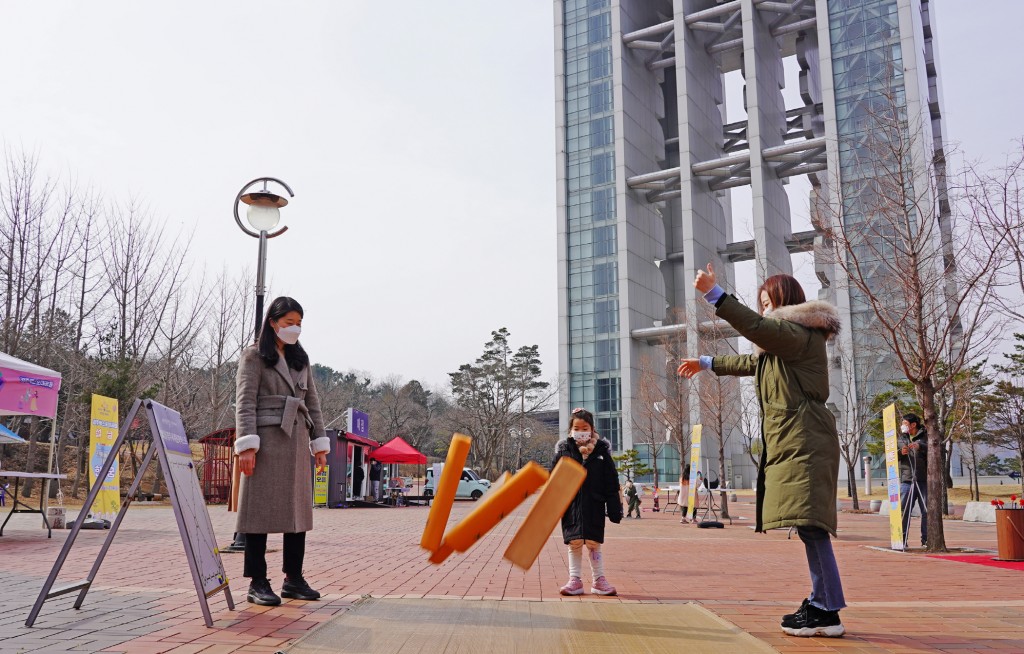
646	159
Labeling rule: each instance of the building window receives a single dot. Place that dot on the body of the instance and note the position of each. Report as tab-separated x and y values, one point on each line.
604	241
599	63
609	429
606	317
599	28
607	394
603	204
602	168
606	355
600	97
605	278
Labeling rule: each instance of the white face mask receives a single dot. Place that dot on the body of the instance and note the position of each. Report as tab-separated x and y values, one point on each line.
905	429
289	334
581	436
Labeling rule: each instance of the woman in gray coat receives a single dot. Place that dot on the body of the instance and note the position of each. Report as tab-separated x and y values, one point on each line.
278	425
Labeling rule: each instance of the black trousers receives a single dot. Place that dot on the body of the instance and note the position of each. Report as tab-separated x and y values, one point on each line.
256	555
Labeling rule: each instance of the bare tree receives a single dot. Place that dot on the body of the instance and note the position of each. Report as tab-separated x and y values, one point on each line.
856	413
648	416
918	283
997	198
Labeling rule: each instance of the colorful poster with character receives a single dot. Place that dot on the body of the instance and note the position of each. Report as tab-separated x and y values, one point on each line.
892	475
103	429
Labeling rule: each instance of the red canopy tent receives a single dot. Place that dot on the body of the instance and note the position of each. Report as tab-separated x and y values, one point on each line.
397	450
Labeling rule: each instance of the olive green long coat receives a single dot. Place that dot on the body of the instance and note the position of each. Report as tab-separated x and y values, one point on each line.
278	411
799	470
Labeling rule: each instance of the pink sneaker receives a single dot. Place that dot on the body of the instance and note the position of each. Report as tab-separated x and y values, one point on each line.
574	587
602	587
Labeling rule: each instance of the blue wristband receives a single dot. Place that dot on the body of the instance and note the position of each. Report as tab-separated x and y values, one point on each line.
714	295
705	360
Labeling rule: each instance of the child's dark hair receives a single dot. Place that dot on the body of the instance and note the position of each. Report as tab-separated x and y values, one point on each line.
294	354
581	414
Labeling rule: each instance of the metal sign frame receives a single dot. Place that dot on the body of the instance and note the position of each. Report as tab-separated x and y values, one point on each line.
157	446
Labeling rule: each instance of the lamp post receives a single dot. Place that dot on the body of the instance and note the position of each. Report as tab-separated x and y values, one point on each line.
519	434
263	215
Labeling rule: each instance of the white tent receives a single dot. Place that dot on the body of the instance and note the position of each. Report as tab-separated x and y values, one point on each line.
30	390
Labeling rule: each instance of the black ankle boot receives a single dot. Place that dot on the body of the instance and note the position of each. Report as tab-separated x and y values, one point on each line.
261	593
297	588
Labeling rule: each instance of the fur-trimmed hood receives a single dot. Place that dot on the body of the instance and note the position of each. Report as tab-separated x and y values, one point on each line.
814	314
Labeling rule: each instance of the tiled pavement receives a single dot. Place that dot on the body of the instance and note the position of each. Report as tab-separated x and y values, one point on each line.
144	600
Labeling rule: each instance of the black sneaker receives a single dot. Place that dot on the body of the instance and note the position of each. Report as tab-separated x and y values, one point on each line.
792	619
815	622
298	589
261	593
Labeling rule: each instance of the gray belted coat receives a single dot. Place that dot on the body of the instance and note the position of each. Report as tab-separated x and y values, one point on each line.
277	410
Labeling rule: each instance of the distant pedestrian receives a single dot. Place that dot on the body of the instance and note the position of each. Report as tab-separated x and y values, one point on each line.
583	521
279	424
799	469
376	471
633	499
913	458
683	499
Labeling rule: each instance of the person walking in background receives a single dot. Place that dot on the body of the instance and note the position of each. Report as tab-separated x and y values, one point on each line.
683	498
376	470
913	458
799	470
583	521
277	414
633	499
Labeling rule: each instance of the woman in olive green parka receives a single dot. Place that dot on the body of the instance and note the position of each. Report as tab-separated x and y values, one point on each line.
799	470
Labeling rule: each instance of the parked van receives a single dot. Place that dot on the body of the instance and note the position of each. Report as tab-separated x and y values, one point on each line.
471	486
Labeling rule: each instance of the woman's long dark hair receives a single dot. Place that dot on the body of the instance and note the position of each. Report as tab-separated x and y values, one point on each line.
294	354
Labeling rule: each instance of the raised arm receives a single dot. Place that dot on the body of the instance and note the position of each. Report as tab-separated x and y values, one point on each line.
780	337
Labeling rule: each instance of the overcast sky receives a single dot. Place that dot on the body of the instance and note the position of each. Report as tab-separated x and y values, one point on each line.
419	141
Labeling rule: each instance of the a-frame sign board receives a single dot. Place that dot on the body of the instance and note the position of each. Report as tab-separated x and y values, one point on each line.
169	442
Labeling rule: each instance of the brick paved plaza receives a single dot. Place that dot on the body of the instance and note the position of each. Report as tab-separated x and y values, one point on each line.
144	600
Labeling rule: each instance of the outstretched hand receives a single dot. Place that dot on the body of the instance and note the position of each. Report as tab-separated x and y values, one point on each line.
705	280
688	368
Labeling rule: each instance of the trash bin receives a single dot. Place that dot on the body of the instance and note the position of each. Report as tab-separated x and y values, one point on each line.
1010	534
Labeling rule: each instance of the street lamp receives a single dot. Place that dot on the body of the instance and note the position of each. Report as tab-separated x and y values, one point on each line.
519	434
263	214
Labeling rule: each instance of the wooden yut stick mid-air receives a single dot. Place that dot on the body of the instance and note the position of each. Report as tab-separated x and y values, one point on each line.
492	509
444	492
565	481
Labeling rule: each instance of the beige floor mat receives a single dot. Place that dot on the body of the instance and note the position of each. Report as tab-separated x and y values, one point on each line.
396	626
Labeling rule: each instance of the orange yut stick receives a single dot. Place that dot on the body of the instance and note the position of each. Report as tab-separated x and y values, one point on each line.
444	492
566	480
495	506
236	480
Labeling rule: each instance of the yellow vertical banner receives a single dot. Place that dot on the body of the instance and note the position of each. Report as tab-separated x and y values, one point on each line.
320	486
892	474
691	498
102	434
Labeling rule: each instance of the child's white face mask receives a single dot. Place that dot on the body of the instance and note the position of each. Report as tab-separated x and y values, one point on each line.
581	436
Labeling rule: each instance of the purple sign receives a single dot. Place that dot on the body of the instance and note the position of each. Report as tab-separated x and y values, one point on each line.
358	423
172	431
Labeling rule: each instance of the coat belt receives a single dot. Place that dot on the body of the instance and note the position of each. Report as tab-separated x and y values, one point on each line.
281	411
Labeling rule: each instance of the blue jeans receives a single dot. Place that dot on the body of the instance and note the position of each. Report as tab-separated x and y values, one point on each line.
826	587
920	499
